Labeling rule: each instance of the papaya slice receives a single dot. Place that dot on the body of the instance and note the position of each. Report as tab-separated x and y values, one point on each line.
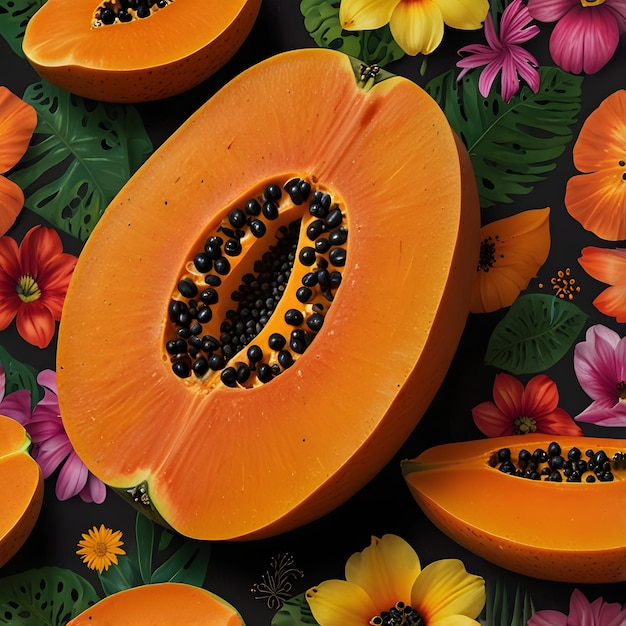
160	604
175	391
542	507
134	50
21	488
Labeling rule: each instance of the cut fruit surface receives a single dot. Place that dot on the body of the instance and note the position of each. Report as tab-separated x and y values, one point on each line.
274	433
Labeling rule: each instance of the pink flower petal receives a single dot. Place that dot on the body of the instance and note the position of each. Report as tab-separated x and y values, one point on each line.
94	491
17	406
49	459
550	10
72	478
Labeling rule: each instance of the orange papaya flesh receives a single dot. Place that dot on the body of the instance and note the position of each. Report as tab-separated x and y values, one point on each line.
160	604
71	44
552	528
251	460
21	488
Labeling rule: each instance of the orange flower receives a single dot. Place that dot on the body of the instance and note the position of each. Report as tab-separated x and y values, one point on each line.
597	197
608	266
33	282
511	252
17	123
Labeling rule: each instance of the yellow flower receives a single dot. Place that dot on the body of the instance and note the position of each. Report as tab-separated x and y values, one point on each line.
387	577
416	25
511	252
100	547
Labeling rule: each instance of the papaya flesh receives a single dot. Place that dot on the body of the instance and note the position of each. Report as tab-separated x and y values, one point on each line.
21	488
219	455
564	524
160	604
134	50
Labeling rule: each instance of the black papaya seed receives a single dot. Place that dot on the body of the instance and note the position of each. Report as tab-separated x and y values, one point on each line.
187	288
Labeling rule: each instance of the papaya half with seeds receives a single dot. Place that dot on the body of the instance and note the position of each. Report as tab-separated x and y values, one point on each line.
267	308
160	604
21	488
542	507
134	50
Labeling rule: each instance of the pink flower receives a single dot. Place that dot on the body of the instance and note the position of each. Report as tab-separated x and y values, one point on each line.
587	31
16	404
582	613
52	448
504	53
518	411
600	365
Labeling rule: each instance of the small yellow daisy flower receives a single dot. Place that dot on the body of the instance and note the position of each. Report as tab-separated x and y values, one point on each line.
100	547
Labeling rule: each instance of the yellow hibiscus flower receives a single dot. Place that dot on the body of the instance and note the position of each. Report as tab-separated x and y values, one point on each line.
416	25
385	582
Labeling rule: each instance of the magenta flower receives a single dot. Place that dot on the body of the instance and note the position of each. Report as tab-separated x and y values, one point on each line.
600	365
504	53
52	448
587	31
582	613
16	404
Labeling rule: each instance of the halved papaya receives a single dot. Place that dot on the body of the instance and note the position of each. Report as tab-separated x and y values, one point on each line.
543	507
134	50
268	307
21	488
160	604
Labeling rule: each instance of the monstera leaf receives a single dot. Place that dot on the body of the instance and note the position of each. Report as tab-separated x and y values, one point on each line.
294	612
321	19
512	145
14	15
81	155
537	331
499	611
19	375
49	596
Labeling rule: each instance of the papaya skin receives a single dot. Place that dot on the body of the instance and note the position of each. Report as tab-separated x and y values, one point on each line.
229	463
536	528
21	488
160	604
147	59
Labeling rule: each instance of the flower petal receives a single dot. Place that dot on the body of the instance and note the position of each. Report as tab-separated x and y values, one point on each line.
463	14
340	603
508	392
417	27
72	478
491	421
38	246
550	10
17	123
11	203
445	588
365	14
94	491
386	570
540	396
16	405
35	324
548	618
584	40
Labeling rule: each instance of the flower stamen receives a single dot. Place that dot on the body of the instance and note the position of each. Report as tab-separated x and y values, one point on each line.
591	3
487	257
399	615
524	425
621	391
27	288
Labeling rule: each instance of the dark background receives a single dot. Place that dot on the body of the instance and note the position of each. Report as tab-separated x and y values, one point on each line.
320	549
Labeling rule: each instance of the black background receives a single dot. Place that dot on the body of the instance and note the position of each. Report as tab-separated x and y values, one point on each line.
320	549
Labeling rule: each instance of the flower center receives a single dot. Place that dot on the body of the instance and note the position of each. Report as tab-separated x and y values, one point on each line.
101	548
487	253
621	391
399	615
591	3
524	425
27	289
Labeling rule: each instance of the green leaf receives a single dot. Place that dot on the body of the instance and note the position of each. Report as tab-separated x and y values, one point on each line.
294	612
19	376
189	564
144	533
122	576
512	146
14	15
536	332
321	19
49	596
498	610
90	148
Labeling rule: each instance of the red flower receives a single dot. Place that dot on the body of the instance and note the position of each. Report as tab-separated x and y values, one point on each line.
518	411
33	282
